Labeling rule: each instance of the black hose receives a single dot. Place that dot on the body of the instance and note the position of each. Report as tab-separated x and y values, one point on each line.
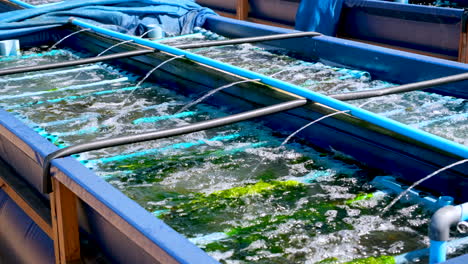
247	40
124	140
401	88
76	62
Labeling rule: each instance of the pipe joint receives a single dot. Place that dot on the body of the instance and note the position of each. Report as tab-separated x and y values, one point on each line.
442	220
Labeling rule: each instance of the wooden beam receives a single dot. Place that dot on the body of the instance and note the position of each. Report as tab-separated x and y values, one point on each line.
463	45
242	9
226	14
463	41
65	224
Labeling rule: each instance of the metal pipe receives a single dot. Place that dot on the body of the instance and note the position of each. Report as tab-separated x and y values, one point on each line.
401	88
76	62
124	140
439	229
144	52
248	40
397	127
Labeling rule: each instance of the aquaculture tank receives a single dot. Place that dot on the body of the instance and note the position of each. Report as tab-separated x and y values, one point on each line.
224	145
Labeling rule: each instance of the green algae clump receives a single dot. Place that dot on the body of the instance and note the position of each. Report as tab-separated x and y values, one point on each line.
256	189
373	260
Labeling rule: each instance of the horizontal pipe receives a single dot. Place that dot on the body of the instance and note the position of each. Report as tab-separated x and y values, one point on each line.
415	134
401	88
144	52
75	62
124	140
248	40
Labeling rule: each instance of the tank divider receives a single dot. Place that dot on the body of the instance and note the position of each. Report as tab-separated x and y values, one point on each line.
125	140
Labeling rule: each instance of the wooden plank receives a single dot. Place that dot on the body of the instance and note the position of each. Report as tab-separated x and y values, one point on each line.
463	41
463	47
26	198
226	14
65	224
114	219
242	9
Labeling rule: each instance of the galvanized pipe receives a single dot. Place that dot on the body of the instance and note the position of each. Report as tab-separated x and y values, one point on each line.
248	40
125	140
401	88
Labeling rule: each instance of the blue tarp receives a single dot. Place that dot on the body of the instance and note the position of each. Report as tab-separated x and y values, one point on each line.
319	15
126	16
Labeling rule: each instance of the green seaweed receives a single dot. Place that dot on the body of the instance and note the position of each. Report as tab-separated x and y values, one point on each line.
373	260
359	197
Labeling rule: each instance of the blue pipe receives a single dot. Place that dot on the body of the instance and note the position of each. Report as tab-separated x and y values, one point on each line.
439	230
417	254
437	251
21	3
415	134
390	184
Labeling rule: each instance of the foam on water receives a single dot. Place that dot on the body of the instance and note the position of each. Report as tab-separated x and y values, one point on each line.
298	205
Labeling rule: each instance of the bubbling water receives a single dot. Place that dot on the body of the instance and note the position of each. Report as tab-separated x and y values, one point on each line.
301	205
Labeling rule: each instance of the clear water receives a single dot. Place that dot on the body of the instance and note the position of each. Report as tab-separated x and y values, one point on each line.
299	206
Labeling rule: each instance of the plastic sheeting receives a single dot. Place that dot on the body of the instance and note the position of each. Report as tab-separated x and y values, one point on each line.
321	16
133	17
21	240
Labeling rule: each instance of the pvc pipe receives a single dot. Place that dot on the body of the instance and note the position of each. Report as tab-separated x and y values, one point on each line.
417	254
155	32
415	134
437	251
21	3
10	47
439	230
428	201
248	40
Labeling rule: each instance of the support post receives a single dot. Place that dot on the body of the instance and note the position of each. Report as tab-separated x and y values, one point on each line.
65	224
242	9
463	42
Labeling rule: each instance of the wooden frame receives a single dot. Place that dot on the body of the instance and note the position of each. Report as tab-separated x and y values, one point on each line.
59	222
242	13
65	224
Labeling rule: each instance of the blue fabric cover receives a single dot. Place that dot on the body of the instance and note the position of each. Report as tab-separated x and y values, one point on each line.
319	15
126	16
